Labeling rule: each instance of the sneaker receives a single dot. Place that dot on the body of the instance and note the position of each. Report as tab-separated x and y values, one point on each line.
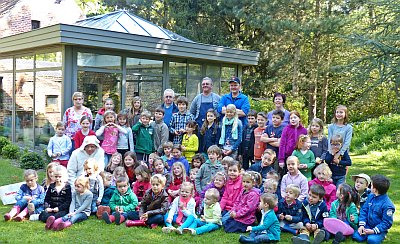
34	217
319	238
299	240
178	231
189	230
168	229
153	226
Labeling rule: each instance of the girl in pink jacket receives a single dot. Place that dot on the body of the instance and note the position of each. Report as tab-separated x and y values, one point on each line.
243	213
323	176
233	188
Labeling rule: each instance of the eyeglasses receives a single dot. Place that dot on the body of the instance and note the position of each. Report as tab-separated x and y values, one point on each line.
336	144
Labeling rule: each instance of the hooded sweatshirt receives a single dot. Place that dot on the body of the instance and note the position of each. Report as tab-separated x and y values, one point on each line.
79	156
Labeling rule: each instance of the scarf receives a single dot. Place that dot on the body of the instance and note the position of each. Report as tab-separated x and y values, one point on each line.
225	122
179	219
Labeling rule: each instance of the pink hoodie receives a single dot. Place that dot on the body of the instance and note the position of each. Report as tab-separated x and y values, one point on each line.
330	190
233	190
246	205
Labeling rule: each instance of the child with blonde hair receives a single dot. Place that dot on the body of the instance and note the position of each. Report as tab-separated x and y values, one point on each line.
289	210
243	211
30	198
319	142
231	132
60	145
323	177
183	206
305	155
294	176
108	104
115	161
96	185
142	183
160	168
49	175
178	176
80	207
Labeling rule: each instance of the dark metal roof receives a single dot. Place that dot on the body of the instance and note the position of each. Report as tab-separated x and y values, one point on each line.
123	21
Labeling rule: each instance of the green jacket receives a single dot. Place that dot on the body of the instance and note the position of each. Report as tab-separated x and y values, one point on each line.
144	138
351	210
128	201
212	213
308	159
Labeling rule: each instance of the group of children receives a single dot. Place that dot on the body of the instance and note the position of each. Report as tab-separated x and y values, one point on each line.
285	178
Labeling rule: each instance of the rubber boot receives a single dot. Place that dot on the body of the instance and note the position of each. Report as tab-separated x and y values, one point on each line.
14	211
286	228
119	219
246	239
49	222
63	225
132	223
21	216
301	239
108	218
263	238
339	237
56	223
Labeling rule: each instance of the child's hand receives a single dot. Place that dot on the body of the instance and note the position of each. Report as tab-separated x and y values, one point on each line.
28	198
232	214
249	228
121	209
55	210
288	217
98	202
202	218
183	148
318	160
369	232
181	131
281	164
71	214
168	220
281	216
361	230
49	210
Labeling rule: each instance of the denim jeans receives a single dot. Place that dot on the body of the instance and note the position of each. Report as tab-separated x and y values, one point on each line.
371	239
131	215
200	226
155	219
76	218
338	180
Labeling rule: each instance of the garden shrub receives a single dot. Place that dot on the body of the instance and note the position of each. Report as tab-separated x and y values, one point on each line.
31	160
10	151
3	142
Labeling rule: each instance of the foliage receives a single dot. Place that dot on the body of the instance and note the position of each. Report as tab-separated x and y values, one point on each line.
10	151
3	142
31	160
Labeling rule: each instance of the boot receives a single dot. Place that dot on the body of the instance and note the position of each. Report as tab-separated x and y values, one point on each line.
246	239
286	228
21	216
63	225
101	210
14	211
301	239
132	223
49	222
263	238
319	238
108	218
56	223
120	220
339	237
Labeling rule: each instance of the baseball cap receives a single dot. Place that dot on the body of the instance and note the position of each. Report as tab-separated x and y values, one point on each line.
364	176
234	79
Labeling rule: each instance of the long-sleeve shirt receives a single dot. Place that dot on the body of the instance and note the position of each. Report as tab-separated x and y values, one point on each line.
338	169
246	205
96	186
59	144
190	208
144	138
212	213
319	147
72	119
110	134
178	122
128	201
191	144
269	224
161	134
307	159
241	102
80	136
153	204
125	141
350	211
38	194
60	199
233	189
206	174
81	203
288	141
330	190
346	131
299	180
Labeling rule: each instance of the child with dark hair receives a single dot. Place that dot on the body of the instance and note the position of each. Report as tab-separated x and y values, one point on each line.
210	131
198	160
376	215
142	183
246	148
144	136
190	141
179	119
161	131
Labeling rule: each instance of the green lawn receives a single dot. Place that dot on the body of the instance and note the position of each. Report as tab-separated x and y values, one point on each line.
95	231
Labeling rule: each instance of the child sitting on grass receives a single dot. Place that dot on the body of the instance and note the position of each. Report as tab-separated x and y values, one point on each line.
289	211
361	184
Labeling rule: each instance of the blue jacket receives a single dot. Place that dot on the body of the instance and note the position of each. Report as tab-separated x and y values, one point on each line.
241	102
338	169
228	136
377	213
270	224
293	210
318	218
108	192
38	194
183	160
209	138
257	167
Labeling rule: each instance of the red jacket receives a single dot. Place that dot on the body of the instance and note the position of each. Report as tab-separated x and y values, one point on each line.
78	137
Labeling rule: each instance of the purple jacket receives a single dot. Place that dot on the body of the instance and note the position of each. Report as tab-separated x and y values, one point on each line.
233	189
288	142
330	190
209	186
246	205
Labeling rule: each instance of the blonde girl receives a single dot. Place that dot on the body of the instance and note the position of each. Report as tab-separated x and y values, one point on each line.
142	183
115	161
183	206
152	157
49	175
305	155
210	132
243	213
323	177
340	126
134	111
108	105
319	142
231	132
190	141
79	209
218	182
110	130
294	176
178	176
92	172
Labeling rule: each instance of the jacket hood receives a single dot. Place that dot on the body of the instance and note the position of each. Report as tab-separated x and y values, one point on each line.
323	183
90	140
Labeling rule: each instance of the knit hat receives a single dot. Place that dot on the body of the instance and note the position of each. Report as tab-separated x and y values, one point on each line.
364	176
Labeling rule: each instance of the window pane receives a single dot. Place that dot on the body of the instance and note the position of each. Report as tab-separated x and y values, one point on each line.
6	93
194	81
46	60
6	64
177	80
144	66
47	105
99	61
24	109
226	73
98	86
24	62
177	69
214	72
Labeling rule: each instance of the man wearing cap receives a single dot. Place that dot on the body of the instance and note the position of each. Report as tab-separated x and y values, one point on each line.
204	101
361	184
237	98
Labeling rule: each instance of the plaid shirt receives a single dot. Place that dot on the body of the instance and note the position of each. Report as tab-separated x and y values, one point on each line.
178	122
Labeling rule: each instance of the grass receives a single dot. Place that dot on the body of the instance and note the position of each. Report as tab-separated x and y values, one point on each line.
94	230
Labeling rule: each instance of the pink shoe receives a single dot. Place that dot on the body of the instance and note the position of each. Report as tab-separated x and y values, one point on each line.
56	223
63	225
49	222
7	217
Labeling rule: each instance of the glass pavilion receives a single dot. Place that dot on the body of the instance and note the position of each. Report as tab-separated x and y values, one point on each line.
116	55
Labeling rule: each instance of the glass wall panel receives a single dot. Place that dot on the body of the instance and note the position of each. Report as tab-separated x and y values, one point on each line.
99	61
177	80
24	95
98	86
23	63
226	73
144	66
149	88
6	64
6	93
47	105
214	72
48	60
194	81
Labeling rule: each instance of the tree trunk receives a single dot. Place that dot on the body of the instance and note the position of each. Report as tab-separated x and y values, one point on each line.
295	75
312	97
325	84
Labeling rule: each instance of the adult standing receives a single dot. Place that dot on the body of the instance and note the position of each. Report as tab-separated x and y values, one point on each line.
90	148
204	101
73	115
134	111
237	98
169	106
279	100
